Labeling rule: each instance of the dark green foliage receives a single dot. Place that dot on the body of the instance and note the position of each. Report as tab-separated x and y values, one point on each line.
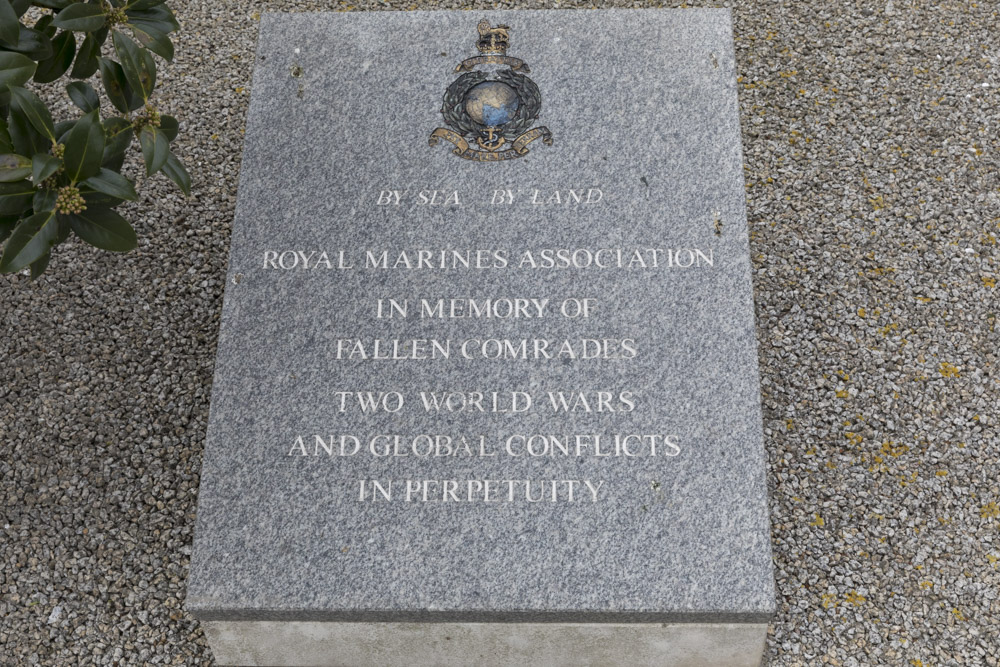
155	148
32	238
63	50
103	228
83	95
43	166
15	197
14	168
15	70
10	27
63	177
176	172
80	16
86	57
84	148
111	183
34	110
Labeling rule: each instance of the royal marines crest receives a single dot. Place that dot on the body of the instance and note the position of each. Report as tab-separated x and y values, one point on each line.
490	119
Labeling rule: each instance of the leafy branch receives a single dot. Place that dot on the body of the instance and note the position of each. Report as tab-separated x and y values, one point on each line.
62	178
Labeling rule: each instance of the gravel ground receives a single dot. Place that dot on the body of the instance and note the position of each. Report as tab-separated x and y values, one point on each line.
870	135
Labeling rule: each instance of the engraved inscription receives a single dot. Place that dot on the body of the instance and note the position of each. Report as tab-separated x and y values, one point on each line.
450	405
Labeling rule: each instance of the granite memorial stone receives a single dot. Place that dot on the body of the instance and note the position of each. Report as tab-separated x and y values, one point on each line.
486	388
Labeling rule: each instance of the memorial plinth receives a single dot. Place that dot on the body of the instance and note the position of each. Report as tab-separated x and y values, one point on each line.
486	388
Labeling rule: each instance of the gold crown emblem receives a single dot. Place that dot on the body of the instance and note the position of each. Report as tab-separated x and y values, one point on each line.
493	41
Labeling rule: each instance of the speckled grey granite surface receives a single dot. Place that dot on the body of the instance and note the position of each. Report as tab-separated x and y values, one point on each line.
642	106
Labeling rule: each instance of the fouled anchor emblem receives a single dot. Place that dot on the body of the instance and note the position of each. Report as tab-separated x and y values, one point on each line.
492	139
496	113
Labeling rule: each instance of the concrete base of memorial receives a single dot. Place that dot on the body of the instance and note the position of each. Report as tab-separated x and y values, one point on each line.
319	644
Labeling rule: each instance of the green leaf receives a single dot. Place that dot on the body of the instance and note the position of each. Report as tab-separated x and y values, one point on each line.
114	162
84	148
64	229
15	69
86	58
151	26
80	16
117	87
83	95
162	13
31	43
39	265
103	228
7	226
118	137
43	165
64	49
112	183
44	26
99	199
6	146
169	126
176	172
14	167
139	5
62	130
54	4
31	239
21	6
10	25
155	148
138	64
24	137
15	197
34	110
158	15
44	200
153	39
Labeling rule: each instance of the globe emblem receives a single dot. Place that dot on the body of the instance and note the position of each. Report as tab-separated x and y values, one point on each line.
492	103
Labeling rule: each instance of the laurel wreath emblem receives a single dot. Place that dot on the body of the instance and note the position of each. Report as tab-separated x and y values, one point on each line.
473	140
